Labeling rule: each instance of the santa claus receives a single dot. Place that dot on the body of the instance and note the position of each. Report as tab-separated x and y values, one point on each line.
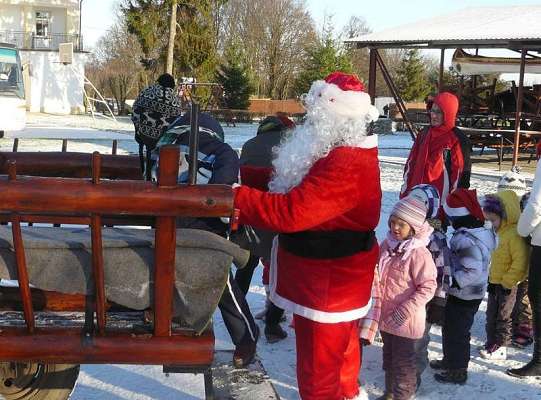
324	200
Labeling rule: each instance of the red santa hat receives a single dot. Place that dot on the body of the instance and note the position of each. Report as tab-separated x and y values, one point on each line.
342	94
461	203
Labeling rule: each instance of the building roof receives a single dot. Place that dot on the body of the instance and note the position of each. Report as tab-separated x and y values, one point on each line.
503	26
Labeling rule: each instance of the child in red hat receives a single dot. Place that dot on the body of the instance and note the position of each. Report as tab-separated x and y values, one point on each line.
471	246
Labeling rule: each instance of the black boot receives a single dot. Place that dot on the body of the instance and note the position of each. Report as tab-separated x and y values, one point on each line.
274	333
437	364
533	368
456	376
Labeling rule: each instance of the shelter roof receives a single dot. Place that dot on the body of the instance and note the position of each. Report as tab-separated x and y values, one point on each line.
483	27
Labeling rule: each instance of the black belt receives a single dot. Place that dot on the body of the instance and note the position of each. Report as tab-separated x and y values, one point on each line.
327	244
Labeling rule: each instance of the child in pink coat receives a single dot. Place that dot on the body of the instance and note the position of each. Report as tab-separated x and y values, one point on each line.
408	283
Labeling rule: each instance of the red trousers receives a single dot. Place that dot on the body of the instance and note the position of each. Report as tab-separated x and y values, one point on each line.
328	359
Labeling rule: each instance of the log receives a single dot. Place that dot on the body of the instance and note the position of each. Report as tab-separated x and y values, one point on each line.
75	197
71	165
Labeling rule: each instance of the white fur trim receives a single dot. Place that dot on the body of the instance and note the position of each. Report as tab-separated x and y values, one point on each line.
361	396
369	142
347	103
303	311
455	212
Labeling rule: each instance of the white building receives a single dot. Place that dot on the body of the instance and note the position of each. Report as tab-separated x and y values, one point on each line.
37	28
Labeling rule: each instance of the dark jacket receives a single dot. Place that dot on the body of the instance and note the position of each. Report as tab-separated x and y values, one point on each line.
218	163
256	171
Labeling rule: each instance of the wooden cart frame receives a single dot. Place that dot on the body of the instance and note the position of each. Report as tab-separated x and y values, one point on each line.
96	202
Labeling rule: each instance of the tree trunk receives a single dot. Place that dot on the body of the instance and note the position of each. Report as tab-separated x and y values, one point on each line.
172	34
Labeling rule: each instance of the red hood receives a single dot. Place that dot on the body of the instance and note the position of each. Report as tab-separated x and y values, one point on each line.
448	103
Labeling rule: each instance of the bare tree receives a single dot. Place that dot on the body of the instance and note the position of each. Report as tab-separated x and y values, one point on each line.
274	35
116	69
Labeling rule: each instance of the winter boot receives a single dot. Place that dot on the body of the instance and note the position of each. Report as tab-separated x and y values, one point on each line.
457	376
533	368
244	354
494	352
274	333
437	364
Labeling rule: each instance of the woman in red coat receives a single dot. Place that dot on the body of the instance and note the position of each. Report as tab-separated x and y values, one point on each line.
440	155
324	200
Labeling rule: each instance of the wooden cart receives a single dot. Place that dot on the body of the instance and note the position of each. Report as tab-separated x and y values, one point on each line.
40	354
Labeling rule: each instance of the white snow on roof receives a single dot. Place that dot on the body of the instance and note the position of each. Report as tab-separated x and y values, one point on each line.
478	23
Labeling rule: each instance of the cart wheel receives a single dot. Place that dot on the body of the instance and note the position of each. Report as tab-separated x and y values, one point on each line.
33	381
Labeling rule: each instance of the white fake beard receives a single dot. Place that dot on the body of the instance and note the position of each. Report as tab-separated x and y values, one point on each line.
310	142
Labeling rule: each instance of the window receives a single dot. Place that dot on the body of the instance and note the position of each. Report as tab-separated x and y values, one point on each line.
42	23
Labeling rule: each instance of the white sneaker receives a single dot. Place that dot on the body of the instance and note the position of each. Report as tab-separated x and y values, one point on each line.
494	353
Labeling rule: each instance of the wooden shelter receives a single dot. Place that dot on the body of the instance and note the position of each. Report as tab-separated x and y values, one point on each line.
511	27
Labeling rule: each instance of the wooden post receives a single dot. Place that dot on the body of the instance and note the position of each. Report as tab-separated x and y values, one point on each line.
64	145
20	259
164	247
396	95
440	79
15	145
115	146
518	114
372	76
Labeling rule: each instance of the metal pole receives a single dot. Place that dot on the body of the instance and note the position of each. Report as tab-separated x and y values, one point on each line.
194	143
372	76
440	80
518	114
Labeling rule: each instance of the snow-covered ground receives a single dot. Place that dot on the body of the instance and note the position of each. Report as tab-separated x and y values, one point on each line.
114	382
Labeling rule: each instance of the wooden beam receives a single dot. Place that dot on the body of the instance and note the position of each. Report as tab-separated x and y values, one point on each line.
372	76
75	197
164	247
396	95
20	260
440	78
518	114
67	346
71	165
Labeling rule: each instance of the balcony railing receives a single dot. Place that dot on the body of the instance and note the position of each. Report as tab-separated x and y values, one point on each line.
30	41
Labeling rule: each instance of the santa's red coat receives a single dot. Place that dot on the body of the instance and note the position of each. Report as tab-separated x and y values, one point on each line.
340	192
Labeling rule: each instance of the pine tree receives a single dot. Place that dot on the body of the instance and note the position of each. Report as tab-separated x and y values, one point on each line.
325	57
194	53
412	78
233	76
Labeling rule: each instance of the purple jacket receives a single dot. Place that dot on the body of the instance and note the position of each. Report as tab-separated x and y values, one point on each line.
408	283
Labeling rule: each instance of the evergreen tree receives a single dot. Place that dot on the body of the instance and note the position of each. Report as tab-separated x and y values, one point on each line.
233	76
412	78
195	52
325	57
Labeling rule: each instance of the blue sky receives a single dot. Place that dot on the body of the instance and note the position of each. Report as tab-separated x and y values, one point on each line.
98	15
